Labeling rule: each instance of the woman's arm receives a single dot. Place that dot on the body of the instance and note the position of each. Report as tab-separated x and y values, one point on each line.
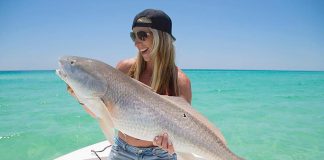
125	65
184	86
185	92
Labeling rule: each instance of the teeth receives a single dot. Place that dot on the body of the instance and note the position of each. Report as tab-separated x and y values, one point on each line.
143	50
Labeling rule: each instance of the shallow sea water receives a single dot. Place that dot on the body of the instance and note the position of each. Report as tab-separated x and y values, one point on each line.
262	114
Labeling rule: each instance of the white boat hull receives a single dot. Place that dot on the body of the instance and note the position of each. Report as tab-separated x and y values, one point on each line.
87	153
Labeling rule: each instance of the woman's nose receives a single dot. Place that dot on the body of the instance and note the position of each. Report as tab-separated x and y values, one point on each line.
137	42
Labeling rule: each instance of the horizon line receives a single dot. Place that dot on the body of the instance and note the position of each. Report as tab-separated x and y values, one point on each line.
188	69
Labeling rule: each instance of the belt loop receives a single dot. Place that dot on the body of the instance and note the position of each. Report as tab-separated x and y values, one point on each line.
124	145
121	143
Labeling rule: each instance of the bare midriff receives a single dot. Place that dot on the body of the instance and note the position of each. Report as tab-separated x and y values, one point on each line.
134	141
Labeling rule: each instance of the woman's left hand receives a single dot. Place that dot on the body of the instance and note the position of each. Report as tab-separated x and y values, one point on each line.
163	142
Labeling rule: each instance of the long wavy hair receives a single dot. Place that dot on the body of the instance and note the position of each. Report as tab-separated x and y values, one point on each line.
165	74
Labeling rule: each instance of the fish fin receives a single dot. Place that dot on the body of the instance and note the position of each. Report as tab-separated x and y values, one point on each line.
107	128
181	102
188	156
100	110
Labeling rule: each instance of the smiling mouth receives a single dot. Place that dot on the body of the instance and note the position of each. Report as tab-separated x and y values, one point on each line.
144	50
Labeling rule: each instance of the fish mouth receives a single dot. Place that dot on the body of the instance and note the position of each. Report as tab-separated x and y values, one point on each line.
60	72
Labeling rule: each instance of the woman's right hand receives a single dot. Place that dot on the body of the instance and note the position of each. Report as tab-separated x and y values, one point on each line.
70	90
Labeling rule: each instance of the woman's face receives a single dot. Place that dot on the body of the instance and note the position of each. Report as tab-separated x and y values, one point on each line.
143	45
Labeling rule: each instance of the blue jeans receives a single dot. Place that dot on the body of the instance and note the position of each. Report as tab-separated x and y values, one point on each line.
123	151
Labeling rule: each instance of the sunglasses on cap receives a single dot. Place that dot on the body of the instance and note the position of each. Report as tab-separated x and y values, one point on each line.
141	35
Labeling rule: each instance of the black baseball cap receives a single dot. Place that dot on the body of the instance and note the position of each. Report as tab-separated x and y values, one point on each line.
157	20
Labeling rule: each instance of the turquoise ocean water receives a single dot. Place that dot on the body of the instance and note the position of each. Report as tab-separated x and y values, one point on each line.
262	114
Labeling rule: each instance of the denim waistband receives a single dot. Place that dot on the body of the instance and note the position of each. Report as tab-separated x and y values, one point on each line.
133	149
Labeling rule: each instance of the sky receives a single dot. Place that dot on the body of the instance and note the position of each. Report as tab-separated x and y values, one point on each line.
211	34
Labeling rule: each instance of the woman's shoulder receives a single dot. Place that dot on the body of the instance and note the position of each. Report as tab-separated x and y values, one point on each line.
182	77
125	65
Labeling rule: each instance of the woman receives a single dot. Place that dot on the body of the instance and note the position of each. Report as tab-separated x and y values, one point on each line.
155	67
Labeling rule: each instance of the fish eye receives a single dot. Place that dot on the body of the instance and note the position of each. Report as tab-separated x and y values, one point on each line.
72	62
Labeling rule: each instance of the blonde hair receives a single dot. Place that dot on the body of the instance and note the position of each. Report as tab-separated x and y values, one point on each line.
165	73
